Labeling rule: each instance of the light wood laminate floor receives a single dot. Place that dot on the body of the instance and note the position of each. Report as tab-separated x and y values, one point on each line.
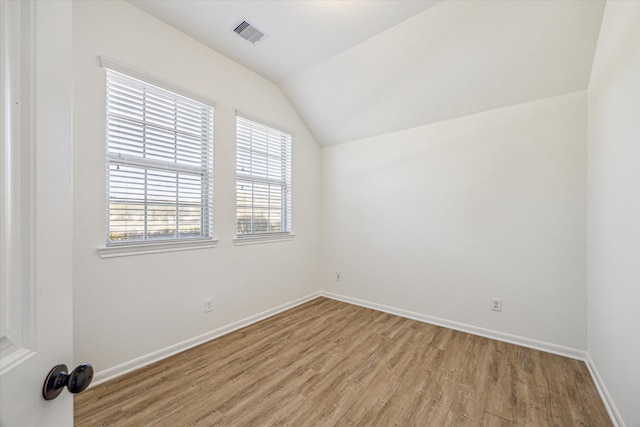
327	363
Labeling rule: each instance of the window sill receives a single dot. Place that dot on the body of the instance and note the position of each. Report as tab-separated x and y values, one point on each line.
262	238
154	248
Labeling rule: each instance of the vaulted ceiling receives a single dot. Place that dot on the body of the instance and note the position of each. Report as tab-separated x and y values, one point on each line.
355	69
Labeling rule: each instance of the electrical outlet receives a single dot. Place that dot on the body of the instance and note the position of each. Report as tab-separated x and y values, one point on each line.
208	305
496	304
337	277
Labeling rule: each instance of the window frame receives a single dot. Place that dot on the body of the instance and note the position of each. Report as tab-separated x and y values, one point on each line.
245	152
204	170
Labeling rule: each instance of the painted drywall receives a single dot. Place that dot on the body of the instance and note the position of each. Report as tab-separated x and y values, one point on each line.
439	219
129	307
613	243
452	60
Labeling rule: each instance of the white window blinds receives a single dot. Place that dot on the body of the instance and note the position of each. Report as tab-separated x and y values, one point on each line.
263	179
159	163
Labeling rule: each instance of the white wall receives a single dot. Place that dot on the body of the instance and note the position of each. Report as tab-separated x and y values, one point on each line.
614	208
438	219
434	220
129	307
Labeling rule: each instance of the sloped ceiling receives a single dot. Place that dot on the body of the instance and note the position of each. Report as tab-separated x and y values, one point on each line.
300	33
355	69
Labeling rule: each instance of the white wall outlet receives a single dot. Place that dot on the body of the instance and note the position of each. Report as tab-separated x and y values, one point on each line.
338	277
208	305
496	304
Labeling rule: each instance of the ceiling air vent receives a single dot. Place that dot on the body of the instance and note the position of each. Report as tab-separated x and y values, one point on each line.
249	32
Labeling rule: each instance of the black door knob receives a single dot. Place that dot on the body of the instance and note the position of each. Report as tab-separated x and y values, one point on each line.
78	380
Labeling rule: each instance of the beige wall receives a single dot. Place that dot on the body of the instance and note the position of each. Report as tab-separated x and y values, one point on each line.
434	220
613	278
125	308
439	219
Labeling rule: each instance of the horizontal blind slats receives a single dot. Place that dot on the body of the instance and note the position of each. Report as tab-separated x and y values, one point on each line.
159	163
263	179
168	110
172	125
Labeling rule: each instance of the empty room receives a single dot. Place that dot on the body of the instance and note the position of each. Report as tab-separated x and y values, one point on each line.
320	213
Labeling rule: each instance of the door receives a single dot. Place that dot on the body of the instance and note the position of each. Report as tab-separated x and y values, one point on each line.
36	217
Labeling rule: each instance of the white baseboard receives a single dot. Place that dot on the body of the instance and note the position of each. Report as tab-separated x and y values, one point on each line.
474	330
147	359
132	365
572	353
616	419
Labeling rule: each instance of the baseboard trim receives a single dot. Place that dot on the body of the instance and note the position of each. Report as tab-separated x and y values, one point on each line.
463	327
142	361
616	419
572	353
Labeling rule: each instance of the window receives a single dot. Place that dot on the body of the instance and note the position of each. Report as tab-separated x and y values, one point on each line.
159	163
263	180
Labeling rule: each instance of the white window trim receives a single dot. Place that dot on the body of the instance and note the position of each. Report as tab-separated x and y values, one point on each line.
258	238
255	239
129	249
111	64
155	247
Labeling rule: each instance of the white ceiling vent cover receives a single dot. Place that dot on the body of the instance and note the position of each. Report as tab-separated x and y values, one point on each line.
249	32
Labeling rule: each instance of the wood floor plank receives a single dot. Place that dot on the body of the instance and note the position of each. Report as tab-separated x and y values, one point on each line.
328	363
